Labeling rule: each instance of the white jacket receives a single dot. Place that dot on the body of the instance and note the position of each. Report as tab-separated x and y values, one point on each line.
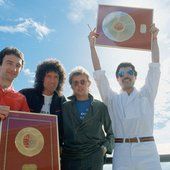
132	115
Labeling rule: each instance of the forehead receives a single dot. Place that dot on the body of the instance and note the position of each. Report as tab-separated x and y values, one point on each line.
79	77
51	73
12	58
125	68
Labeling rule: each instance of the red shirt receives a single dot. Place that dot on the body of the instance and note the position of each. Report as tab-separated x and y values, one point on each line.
14	99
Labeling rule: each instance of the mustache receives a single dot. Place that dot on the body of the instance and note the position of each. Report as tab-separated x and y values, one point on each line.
126	78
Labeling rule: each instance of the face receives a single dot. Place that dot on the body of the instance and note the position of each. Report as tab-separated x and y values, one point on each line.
80	86
10	68
126	78
50	83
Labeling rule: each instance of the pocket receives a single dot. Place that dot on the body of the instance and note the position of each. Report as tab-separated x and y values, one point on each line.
98	156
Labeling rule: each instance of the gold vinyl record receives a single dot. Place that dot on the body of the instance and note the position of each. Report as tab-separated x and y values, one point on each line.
29	141
118	26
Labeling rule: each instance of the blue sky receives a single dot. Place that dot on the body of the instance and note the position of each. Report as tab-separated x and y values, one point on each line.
58	29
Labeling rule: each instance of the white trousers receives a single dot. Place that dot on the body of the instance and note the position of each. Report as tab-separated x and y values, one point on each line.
136	156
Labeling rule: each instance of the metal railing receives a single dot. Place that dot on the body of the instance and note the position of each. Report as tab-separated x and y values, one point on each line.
163	158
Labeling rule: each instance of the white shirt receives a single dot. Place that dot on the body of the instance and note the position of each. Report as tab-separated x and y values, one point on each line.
47	102
132	115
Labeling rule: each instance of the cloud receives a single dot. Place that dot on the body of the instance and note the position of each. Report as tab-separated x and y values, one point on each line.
27	26
79	8
163	98
29	74
2	2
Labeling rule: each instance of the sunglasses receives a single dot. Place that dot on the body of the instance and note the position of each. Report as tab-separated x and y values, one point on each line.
122	73
76	83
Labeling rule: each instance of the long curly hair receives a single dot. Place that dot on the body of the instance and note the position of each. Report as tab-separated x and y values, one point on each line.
45	67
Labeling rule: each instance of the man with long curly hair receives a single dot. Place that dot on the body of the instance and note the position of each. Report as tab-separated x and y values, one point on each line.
46	96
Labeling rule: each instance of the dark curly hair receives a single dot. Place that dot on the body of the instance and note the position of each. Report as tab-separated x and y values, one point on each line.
45	67
13	51
125	64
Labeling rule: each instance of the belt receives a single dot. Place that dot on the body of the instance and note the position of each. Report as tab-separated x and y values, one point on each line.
134	140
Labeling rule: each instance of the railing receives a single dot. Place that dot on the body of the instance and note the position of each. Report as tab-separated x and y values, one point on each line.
163	158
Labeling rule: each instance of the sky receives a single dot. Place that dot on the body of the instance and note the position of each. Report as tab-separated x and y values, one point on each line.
58	29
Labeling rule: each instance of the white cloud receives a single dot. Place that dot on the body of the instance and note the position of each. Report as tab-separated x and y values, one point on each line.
2	2
163	99
31	81
26	26
29	74
79	8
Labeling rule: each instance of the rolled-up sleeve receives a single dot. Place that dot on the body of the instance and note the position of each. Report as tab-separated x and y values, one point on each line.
152	81
103	86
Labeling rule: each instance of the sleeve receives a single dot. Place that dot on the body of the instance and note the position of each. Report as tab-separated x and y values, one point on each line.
60	122
109	140
152	81
103	86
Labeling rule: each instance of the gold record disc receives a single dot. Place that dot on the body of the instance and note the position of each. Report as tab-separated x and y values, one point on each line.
29	141
118	26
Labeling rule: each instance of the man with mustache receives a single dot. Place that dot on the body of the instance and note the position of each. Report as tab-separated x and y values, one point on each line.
131	111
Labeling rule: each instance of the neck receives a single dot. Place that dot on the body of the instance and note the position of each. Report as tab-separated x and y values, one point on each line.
129	90
5	84
82	98
48	93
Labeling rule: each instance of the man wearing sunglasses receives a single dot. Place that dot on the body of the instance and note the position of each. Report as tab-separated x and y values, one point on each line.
131	111
87	127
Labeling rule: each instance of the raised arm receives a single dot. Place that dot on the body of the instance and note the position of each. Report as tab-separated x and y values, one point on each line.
154	44
95	59
152	80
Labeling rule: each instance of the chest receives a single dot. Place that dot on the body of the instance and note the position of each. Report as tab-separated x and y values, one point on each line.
132	107
12	100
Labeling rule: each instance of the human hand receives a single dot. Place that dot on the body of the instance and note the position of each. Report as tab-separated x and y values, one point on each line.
92	37
154	32
104	150
4	111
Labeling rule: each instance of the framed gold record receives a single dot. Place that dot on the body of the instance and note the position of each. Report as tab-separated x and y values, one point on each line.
29	141
124	27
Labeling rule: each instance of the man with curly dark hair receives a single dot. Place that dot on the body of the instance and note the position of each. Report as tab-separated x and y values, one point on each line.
46	96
